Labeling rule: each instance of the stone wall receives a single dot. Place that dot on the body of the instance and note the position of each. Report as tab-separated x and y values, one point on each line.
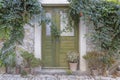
90	46
28	41
1	43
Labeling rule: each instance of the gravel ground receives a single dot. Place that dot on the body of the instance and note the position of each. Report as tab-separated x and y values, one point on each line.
53	77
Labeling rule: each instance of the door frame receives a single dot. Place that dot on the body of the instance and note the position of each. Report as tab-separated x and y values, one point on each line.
77	34
81	40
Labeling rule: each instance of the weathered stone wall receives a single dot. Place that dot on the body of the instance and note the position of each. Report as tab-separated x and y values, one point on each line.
28	42
90	46
1	44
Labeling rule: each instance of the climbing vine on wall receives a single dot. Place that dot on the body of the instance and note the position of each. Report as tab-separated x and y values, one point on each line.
105	17
14	14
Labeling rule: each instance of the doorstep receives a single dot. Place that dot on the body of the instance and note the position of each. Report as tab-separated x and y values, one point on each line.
60	72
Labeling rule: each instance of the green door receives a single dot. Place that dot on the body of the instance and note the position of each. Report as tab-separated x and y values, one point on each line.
54	49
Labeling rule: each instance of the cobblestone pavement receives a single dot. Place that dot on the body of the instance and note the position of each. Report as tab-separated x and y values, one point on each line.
53	77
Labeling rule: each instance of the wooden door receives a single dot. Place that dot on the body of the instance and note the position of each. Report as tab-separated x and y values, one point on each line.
54	49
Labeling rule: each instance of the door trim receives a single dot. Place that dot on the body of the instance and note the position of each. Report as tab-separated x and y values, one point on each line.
75	34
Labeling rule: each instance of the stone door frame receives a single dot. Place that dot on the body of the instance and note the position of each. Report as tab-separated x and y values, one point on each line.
82	43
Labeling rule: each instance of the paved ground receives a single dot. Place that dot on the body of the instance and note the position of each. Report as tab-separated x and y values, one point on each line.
53	77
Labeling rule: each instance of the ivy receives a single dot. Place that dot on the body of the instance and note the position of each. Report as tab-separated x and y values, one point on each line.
14	14
104	16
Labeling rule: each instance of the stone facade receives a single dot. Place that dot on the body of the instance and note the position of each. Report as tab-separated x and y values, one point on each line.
32	41
1	44
89	44
28	42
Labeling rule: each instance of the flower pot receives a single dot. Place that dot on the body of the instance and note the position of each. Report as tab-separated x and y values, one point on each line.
27	70
11	70
17	69
2	70
94	72
106	73
118	73
73	66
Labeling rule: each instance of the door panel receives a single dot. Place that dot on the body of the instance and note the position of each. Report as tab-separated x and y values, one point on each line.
53	49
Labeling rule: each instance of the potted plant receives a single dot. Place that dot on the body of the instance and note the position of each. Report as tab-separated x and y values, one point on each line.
93	59
27	58
72	58
18	69
118	71
35	64
107	61
10	62
2	67
29	61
